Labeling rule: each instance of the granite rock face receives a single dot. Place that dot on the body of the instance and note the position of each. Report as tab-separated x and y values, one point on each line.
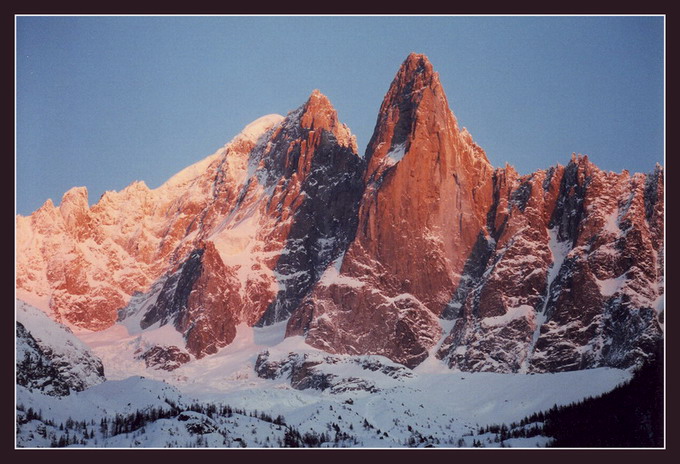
557	270
428	187
572	275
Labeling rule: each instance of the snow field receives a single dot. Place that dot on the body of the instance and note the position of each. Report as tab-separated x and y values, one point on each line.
433	405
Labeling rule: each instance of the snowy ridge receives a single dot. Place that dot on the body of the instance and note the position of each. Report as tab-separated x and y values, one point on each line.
71	358
250	134
253	131
82	263
522	311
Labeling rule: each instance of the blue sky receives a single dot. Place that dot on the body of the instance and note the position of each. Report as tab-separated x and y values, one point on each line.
104	101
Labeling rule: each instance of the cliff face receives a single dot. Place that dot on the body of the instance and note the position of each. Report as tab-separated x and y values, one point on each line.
556	270
572	279
428	189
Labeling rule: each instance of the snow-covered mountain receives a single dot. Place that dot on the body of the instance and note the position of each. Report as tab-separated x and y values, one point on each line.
50	358
84	264
351	274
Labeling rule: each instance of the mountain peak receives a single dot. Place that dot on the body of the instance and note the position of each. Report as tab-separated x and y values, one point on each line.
74	200
417	63
415	99
75	195
317	95
415	74
318	113
244	141
46	207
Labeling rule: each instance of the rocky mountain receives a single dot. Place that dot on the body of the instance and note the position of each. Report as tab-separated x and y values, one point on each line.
560	269
34	369
306	370
428	189
49	358
83	264
569	276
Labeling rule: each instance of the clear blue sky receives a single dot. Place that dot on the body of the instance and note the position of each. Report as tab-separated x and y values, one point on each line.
104	101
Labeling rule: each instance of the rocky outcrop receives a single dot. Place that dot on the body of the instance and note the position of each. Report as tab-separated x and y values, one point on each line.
34	368
319	189
49	358
605	302
167	358
197	423
332	373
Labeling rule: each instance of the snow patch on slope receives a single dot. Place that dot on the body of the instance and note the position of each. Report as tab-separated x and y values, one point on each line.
523	311
190	173
432	365
396	154
332	276
608	287
240	249
37	301
559	251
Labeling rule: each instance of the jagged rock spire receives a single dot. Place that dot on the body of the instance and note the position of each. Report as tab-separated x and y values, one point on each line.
415	106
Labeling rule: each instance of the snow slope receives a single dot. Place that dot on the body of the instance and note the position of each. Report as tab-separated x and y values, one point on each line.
68	354
372	401
430	405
